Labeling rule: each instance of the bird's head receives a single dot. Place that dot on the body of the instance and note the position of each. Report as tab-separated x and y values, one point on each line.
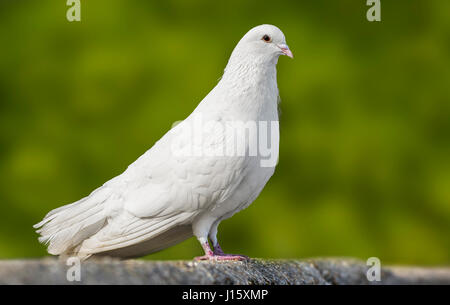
265	40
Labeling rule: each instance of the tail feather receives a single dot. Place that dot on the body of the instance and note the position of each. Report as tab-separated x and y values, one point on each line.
68	218
64	228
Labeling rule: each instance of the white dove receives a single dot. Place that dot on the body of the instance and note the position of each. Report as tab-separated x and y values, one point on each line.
173	192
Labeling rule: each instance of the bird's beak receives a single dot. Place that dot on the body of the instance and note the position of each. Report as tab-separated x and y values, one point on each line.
285	50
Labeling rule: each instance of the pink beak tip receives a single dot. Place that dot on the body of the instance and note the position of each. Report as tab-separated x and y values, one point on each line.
285	50
288	52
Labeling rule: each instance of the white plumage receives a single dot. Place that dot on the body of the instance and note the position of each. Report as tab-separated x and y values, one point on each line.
166	196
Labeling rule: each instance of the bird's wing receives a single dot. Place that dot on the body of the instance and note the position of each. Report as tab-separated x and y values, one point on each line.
163	182
128	230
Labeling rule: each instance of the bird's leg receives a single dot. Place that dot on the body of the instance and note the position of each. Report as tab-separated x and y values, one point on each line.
202	236
208	252
218	250
216	255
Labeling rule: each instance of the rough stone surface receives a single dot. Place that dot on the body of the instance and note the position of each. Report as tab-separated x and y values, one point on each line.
253	272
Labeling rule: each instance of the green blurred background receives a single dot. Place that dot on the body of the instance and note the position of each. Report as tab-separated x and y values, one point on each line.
364	164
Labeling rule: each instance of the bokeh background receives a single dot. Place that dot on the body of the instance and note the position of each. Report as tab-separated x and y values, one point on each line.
364	164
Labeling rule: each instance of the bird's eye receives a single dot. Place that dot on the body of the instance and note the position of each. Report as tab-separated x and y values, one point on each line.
267	38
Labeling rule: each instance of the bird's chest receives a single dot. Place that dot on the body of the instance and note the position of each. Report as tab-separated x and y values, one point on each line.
243	132
255	143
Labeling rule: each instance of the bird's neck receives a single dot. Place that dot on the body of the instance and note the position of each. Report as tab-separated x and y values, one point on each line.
250	85
246	69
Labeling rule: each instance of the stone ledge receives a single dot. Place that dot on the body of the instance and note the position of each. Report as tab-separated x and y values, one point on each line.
255	272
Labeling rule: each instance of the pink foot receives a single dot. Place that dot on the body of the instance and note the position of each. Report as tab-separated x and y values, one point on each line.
202	258
218	255
219	252
232	257
225	257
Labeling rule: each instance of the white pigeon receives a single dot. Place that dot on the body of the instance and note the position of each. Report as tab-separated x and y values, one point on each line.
171	192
